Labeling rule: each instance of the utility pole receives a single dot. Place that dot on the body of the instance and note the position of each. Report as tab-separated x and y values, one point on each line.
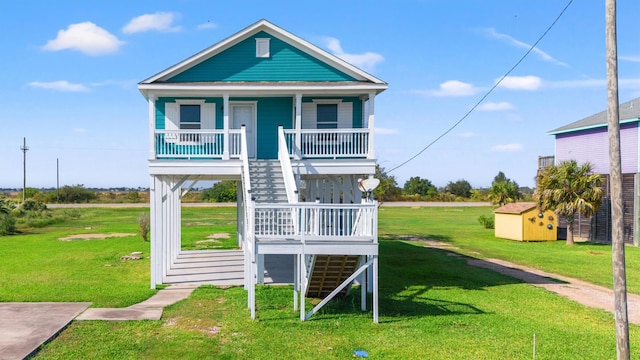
57	180
24	149
615	177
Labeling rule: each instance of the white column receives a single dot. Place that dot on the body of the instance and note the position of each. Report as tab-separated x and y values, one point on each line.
153	207
298	150
375	288
225	126
371	154
152	126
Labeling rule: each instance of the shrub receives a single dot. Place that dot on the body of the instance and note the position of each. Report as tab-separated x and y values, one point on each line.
7	224
144	225
487	221
133	196
223	191
33	205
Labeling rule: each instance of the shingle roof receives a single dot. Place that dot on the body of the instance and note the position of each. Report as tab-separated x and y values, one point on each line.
515	208
629	112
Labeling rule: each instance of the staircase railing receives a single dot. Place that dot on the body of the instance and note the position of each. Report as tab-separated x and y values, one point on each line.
249	216
287	170
316	222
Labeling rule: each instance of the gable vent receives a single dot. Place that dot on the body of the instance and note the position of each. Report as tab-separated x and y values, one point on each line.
262	47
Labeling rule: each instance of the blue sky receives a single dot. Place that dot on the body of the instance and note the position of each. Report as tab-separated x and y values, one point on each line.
70	68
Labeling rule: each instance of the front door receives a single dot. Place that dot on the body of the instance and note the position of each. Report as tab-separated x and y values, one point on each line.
245	114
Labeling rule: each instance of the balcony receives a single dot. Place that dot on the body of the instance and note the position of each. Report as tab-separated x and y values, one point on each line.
226	144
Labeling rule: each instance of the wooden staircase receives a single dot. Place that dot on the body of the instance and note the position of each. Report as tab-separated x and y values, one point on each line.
329	271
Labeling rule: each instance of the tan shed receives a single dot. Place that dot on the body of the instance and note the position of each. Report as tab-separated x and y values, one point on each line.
523	222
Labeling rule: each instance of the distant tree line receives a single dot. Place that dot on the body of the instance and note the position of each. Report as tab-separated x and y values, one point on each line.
503	190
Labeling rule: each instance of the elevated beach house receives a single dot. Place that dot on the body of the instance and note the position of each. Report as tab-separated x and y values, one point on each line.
294	126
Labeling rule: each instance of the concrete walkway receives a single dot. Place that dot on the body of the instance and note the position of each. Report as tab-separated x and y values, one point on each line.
25	326
150	309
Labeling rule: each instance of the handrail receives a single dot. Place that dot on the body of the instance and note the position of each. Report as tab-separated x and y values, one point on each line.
316	221
287	170
244	156
329	143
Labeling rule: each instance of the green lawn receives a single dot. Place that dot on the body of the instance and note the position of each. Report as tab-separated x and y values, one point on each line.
432	304
460	227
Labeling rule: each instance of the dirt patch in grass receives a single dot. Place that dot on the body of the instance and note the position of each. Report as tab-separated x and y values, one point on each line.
213	238
190	324
93	236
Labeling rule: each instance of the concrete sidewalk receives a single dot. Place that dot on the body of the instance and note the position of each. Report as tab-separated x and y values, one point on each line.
26	326
150	309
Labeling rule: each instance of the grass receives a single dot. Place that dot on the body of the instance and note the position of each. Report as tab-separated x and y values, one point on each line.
37	266
460	227
432	305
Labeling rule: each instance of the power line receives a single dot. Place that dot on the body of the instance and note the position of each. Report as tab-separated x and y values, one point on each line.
488	92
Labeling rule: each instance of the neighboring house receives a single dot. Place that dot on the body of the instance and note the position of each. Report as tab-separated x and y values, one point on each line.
586	140
294	126
524	222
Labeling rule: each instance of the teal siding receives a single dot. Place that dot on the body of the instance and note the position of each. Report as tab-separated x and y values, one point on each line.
239	63
160	125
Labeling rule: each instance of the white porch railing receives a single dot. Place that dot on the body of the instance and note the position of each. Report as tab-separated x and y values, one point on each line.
316	222
188	144
287	170
210	144
329	143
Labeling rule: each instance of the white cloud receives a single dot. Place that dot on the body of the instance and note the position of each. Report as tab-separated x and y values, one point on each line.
521	82
635	58
207	25
160	21
85	37
384	131
366	61
507	147
496	106
120	83
61	85
468	134
546	57
450	88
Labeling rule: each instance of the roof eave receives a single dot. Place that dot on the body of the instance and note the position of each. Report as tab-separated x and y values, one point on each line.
590	127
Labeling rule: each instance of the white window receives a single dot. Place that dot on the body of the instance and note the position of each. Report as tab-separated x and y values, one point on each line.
188	115
262	47
327	114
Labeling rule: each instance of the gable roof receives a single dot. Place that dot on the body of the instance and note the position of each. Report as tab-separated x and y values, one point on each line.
265	26
628	112
515	208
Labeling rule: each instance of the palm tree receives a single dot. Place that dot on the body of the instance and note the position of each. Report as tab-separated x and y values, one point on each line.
503	190
569	189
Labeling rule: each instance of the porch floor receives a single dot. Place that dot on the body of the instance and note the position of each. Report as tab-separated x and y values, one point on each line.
225	268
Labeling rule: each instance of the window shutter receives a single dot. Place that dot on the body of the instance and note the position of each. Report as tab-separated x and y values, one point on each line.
308	116
208	116
345	115
171	121
171	116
